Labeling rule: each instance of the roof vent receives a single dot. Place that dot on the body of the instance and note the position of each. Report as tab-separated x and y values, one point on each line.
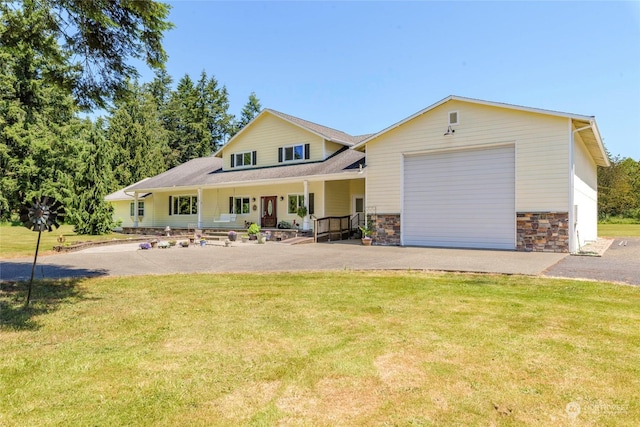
453	118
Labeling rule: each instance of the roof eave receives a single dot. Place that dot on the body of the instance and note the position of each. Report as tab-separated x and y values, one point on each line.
473	101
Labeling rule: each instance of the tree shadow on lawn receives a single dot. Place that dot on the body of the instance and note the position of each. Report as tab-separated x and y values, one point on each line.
47	295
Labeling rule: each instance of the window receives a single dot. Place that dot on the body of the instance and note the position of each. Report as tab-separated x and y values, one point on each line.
293	153
239	205
248	158
140	208
453	118
183	205
297	200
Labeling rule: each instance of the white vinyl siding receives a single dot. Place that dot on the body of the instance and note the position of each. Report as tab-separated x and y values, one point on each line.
460	199
266	135
338	198
541	141
585	194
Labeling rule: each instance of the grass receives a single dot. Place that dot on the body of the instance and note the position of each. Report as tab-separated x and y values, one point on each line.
320	349
619	230
18	241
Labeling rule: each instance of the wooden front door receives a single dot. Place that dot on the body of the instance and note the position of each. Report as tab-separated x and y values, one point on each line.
269	212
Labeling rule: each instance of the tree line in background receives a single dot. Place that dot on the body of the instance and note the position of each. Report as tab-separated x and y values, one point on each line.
61	59
619	190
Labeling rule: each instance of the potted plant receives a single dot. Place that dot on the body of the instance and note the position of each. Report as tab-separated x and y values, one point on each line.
253	231
366	231
245	238
184	243
302	213
232	235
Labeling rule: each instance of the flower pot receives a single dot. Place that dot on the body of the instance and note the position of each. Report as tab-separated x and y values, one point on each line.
366	241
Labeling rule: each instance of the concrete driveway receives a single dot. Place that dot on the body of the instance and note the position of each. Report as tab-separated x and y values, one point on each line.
126	259
620	263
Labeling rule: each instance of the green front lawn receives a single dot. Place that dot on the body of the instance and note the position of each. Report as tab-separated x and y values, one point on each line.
346	348
18	241
619	230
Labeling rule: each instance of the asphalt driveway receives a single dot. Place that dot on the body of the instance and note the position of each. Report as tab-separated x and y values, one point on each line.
126	259
620	263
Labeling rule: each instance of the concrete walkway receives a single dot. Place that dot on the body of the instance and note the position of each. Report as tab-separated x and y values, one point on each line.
127	259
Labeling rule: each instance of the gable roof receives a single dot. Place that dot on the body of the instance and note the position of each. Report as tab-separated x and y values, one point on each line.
324	132
125	194
586	124
206	172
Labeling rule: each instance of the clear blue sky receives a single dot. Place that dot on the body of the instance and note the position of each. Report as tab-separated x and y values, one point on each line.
362	66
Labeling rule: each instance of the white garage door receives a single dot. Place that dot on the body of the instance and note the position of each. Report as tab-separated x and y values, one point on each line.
460	199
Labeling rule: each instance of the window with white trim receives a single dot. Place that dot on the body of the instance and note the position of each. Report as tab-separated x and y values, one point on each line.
140	208
240	205
294	153
183	205
296	201
247	158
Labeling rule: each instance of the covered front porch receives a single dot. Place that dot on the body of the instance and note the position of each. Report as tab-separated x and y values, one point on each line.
273	206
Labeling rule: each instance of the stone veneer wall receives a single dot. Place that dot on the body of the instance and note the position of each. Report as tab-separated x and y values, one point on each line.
542	232
276	234
386	229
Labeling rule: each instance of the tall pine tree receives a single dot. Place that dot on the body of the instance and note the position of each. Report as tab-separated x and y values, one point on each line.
250	110
91	214
139	139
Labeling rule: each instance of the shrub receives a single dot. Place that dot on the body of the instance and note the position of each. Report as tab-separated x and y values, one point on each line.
253	229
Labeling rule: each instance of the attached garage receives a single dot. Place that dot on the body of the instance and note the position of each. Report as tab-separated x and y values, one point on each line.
460	198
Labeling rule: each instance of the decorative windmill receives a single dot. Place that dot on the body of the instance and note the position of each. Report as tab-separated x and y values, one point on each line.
39	216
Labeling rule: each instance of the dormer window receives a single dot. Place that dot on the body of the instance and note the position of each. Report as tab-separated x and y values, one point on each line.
248	158
293	153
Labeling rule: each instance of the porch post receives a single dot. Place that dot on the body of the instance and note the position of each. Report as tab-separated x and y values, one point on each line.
305	221
199	207
135	209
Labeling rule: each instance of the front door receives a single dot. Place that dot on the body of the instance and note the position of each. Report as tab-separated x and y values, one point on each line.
269	213
358	209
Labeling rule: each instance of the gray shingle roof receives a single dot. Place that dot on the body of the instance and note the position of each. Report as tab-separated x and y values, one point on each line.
326	132
207	172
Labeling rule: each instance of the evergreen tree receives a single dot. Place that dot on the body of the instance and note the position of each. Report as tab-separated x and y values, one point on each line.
91	214
197	118
38	125
250	110
139	139
97	38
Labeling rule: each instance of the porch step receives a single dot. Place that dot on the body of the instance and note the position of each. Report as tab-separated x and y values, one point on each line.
298	240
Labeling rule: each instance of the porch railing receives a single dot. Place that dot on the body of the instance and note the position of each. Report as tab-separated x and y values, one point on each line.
336	227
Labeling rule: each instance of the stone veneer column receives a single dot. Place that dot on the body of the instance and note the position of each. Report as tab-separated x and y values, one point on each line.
386	229
542	231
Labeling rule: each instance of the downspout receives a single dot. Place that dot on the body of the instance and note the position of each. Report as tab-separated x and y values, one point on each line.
573	221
